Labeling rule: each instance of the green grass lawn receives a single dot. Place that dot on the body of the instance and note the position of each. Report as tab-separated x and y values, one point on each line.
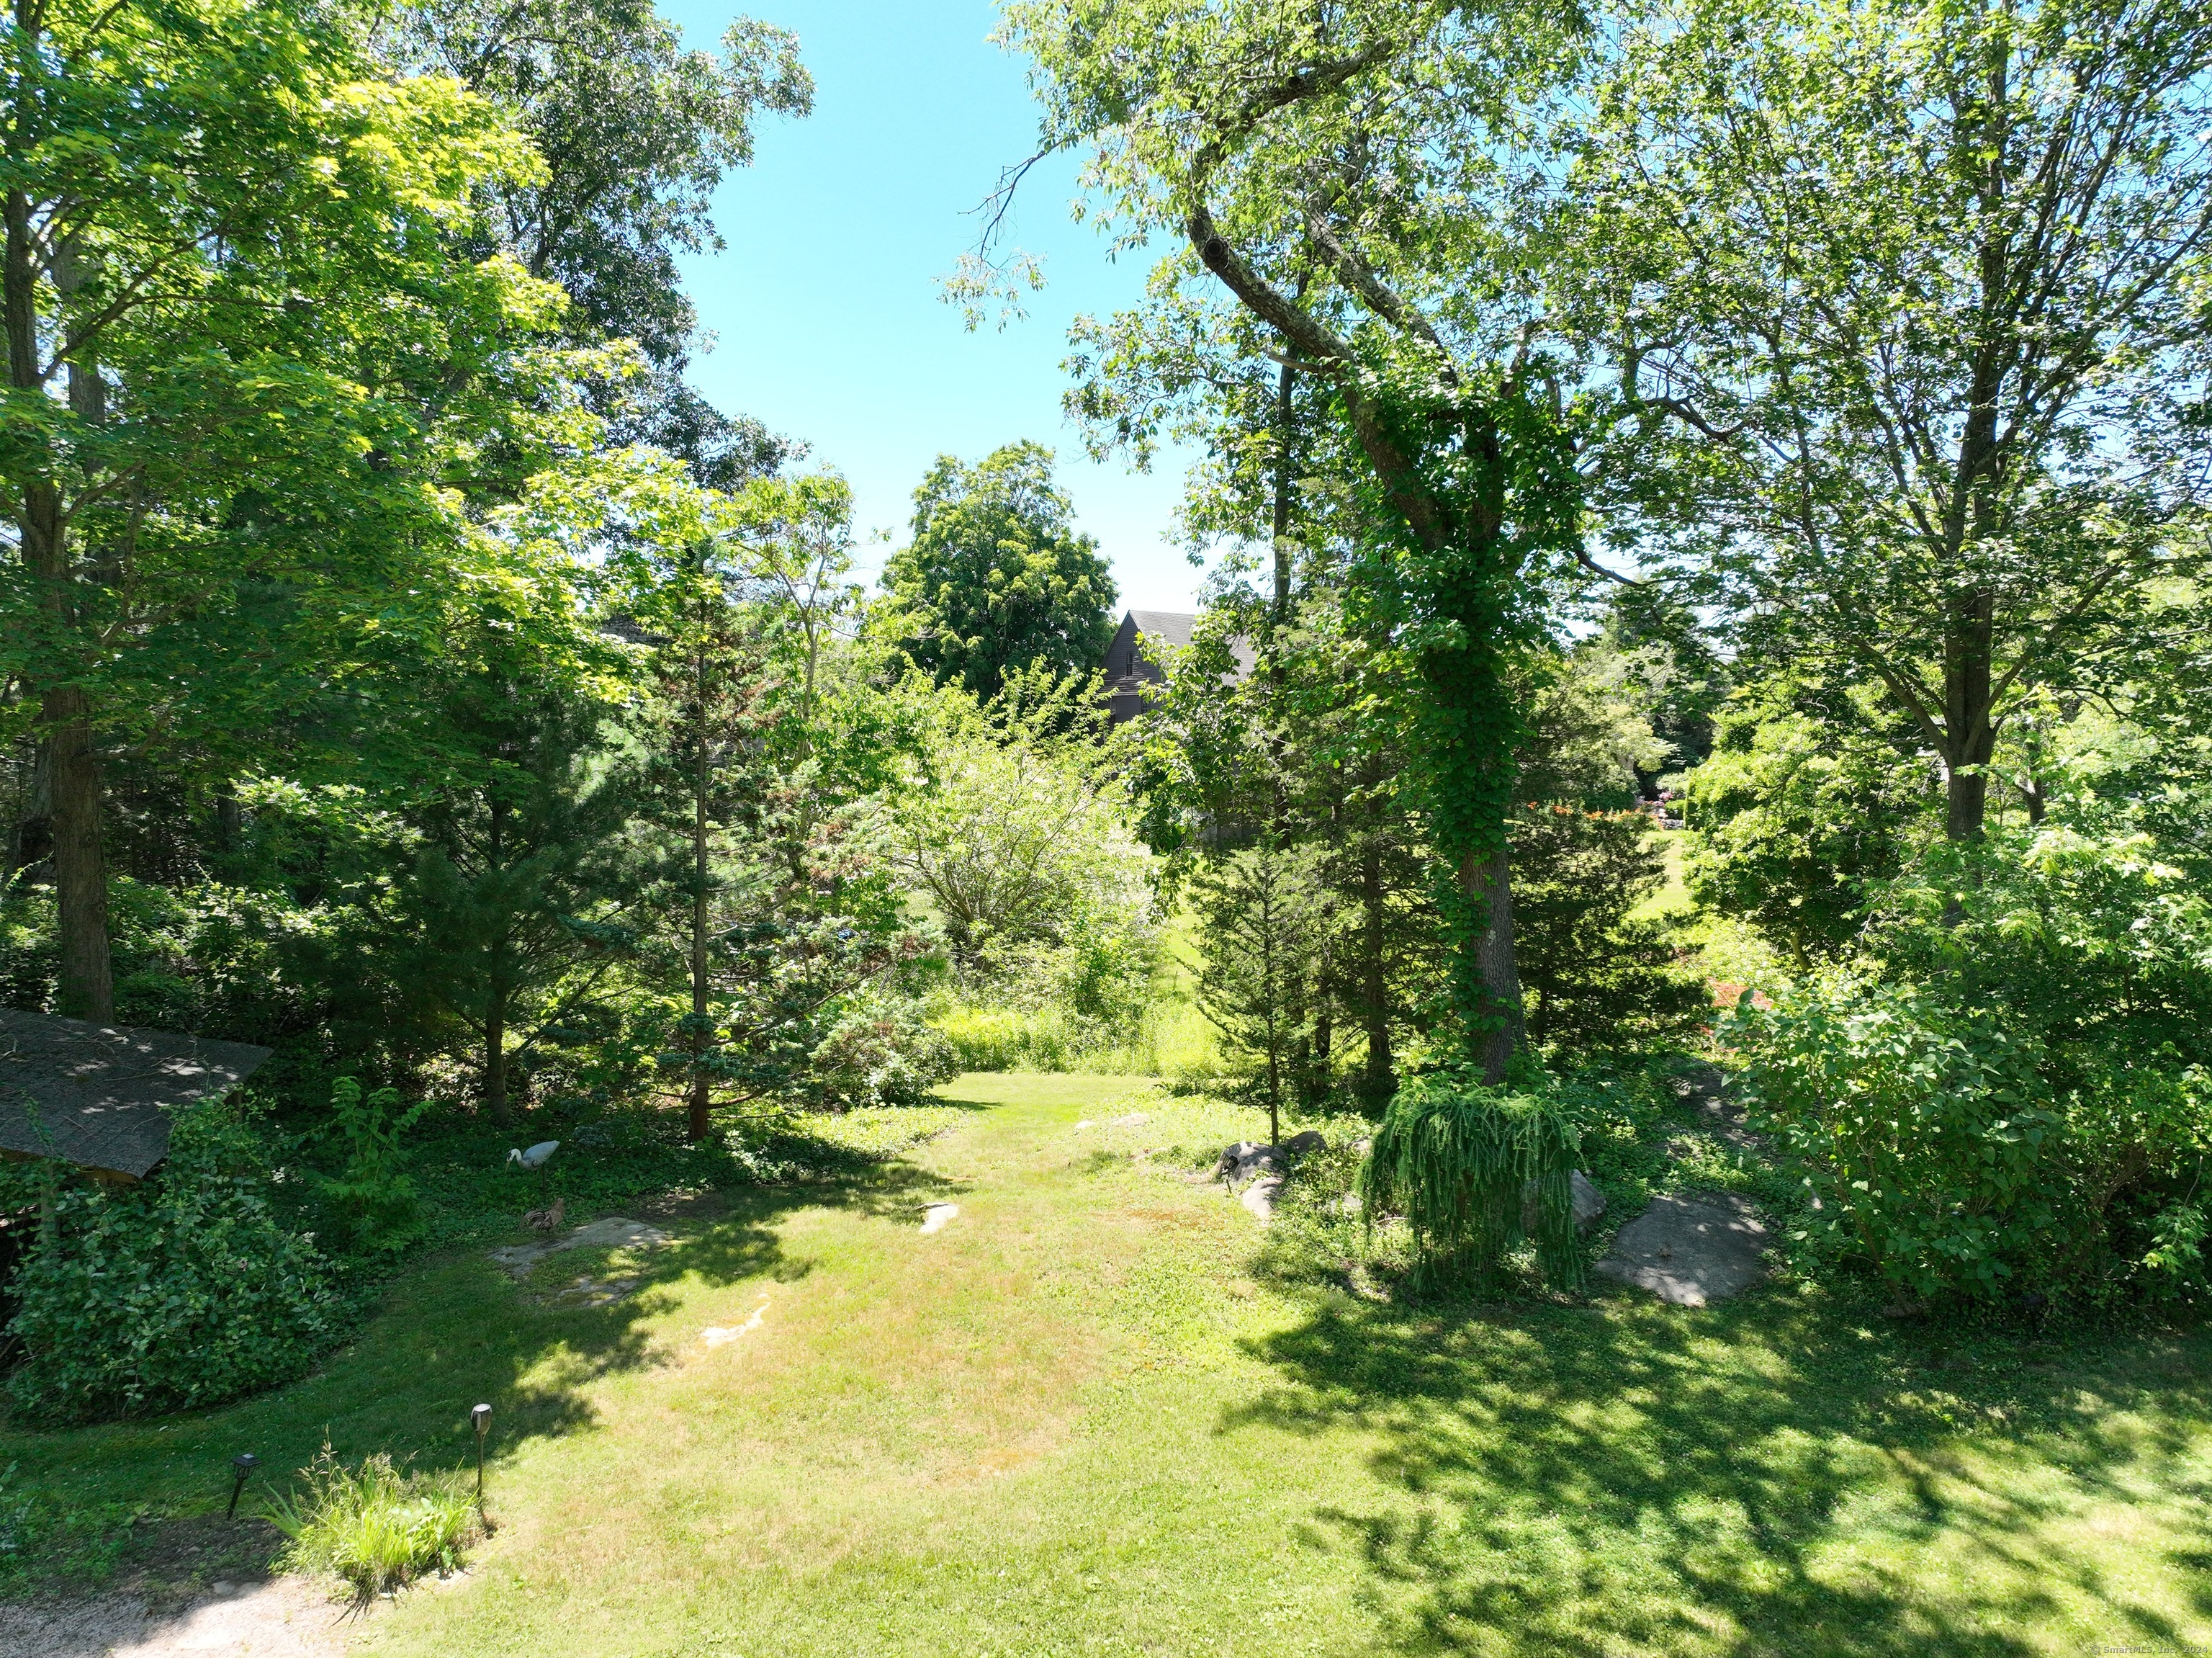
1092	1414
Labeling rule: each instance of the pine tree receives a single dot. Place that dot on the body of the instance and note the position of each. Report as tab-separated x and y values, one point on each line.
1265	917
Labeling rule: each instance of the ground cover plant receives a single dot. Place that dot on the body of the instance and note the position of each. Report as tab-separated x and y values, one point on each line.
374	1527
1098	1408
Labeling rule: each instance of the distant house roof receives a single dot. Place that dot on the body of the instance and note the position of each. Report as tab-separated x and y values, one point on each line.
1129	676
629	630
100	1095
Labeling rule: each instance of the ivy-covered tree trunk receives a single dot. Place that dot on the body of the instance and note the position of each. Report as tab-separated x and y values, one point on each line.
1379	1078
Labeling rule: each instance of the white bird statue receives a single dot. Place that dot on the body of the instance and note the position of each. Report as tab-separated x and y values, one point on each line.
536	1154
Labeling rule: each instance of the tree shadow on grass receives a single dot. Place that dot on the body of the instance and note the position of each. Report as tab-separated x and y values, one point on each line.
1756	1478
453	1331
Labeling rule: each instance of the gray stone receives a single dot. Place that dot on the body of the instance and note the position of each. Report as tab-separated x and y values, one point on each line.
1245	1159
1308	1140
1588	1203
612	1233
1690	1250
1259	1196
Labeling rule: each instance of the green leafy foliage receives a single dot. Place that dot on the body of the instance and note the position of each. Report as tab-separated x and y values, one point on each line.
374	1526
1793	819
997	577
2008	1091
1475	1170
372	1199
1924	1134
183	1290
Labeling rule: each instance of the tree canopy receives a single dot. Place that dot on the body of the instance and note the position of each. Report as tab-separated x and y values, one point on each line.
997	577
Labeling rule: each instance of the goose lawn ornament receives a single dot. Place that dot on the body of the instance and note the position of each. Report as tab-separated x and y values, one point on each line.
536	1154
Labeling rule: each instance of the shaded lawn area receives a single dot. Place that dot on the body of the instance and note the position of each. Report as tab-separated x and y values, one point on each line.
1093	1415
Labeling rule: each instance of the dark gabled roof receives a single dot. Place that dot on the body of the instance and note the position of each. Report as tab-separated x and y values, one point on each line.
629	630
1170	627
100	1095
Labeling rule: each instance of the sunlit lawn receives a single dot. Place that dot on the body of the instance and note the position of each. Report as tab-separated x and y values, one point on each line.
1086	1417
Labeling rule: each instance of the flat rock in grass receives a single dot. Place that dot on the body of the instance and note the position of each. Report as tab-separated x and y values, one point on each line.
612	1233
1691	1250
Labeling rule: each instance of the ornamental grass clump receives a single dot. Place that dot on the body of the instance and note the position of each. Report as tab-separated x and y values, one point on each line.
375	1527
1475	1170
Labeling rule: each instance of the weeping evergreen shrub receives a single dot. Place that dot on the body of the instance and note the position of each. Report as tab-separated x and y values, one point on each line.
1475	1170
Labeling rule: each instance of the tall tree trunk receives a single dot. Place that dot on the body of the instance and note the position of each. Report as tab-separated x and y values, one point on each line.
1489	887
1970	737
1379	1082
88	987
86	990
699	1120
496	988
1285	454
495	1078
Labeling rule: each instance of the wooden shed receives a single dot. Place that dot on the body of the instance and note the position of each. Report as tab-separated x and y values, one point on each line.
99	1096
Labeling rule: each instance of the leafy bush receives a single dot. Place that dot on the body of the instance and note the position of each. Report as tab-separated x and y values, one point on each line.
374	1527
1459	1160
1922	1133
1983	1132
183	1290
372	1199
879	1052
1792	820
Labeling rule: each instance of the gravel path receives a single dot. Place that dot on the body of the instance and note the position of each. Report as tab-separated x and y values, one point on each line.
288	1617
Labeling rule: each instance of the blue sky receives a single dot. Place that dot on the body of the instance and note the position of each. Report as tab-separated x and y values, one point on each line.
826	303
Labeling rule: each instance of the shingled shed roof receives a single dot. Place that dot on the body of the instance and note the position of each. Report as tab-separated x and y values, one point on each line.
100	1095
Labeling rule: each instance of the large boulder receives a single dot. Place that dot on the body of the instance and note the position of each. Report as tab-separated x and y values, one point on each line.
1247	1158
1691	1250
1306	1141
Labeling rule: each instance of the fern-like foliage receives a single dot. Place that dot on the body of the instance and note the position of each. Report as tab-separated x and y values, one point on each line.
1475	1170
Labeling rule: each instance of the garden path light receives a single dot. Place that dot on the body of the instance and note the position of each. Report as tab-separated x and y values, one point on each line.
242	1467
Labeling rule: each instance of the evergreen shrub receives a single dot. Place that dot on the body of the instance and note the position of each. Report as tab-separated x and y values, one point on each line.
1461	1161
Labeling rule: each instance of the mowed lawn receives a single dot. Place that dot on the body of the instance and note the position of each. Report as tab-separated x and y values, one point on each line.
1087	1417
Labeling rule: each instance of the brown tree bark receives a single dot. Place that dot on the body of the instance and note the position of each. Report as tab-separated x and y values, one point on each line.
65	713
1380	1080
1489	883
495	1070
1969	734
699	1121
88	987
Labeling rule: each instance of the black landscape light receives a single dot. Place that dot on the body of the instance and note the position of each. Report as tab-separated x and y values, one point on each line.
242	1468
480	1419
